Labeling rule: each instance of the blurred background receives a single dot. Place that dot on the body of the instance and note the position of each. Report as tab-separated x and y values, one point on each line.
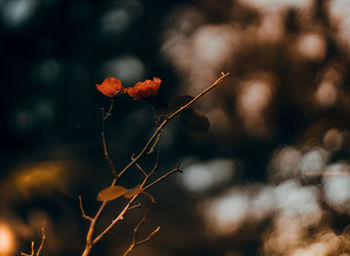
271	177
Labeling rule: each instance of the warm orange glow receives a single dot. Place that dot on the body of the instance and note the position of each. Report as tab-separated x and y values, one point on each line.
42	177
7	240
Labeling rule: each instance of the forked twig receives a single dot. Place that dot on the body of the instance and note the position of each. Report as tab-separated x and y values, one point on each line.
128	205
32	253
136	229
177	169
83	211
43	238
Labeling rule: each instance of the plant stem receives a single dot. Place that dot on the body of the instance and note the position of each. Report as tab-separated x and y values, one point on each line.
90	242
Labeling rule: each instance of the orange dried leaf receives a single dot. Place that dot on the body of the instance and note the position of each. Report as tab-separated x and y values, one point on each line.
146	89
110	87
111	193
131	192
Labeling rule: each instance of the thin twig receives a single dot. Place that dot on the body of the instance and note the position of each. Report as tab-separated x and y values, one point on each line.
32	253
150	196
136	229
82	210
128	205
109	112
149	237
43	238
139	166
156	165
138	205
154	143
163	177
104	117
217	82
141	169
117	219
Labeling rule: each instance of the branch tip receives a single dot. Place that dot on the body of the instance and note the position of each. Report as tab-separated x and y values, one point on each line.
83	211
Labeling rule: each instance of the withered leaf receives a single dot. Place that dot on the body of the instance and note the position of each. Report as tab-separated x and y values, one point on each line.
131	192
195	121
178	101
111	193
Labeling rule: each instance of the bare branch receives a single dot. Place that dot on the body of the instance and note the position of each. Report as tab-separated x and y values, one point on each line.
156	165
116	220
149	237
139	166
138	205
154	144
109	112
150	196
82	210
32	253
136	229
105	117
154	139
141	169
217	82
163	177
43	238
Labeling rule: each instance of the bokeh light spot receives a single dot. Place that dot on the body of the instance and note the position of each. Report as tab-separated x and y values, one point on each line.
225	215
116	21
312	47
333	139
337	187
313	161
16	12
284	164
203	176
7	240
49	71
326	94
129	69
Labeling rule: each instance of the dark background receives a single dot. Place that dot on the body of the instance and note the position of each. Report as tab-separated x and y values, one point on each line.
279	124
